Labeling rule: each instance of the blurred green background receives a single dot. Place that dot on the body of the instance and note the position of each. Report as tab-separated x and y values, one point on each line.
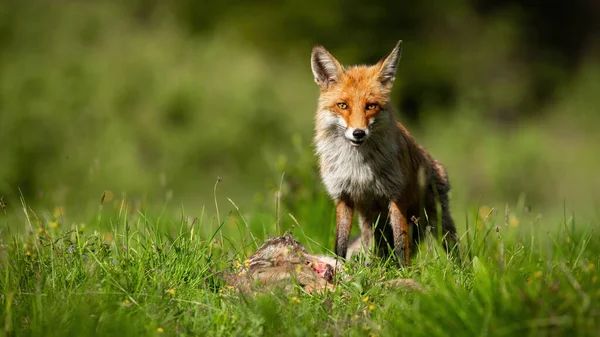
156	99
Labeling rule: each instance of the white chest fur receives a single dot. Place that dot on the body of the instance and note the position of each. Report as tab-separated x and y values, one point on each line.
370	171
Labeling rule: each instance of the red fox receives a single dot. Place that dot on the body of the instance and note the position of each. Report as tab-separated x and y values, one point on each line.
370	163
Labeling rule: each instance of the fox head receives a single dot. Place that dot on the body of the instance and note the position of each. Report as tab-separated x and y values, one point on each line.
354	100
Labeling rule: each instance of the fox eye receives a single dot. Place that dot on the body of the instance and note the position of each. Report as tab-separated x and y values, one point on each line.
342	105
372	106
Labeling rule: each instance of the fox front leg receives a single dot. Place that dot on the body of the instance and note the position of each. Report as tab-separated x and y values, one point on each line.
400	232
361	244
343	219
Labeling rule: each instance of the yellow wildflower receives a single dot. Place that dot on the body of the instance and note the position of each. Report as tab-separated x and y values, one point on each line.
484	212
590	267
371	307
108	196
53	224
296	299
366	299
513	221
171	291
160	330
58	211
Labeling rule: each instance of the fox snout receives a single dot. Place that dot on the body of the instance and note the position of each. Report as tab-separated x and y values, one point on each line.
356	136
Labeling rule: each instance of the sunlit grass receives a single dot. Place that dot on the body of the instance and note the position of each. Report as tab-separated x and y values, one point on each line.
129	273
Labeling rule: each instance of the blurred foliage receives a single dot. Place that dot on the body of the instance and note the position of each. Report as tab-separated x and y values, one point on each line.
157	99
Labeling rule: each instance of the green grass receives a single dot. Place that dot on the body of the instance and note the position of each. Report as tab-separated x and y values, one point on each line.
137	273
113	99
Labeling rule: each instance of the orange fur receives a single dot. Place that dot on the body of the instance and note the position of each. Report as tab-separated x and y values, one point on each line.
369	162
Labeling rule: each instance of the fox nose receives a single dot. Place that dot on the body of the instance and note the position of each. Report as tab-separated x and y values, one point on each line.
359	134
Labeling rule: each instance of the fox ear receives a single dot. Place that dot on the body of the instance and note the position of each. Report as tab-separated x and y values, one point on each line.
389	64
325	67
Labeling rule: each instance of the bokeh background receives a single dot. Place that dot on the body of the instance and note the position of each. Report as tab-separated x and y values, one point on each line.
152	100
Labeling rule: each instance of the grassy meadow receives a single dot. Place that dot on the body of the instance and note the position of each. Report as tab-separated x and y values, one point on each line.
143	273
148	148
